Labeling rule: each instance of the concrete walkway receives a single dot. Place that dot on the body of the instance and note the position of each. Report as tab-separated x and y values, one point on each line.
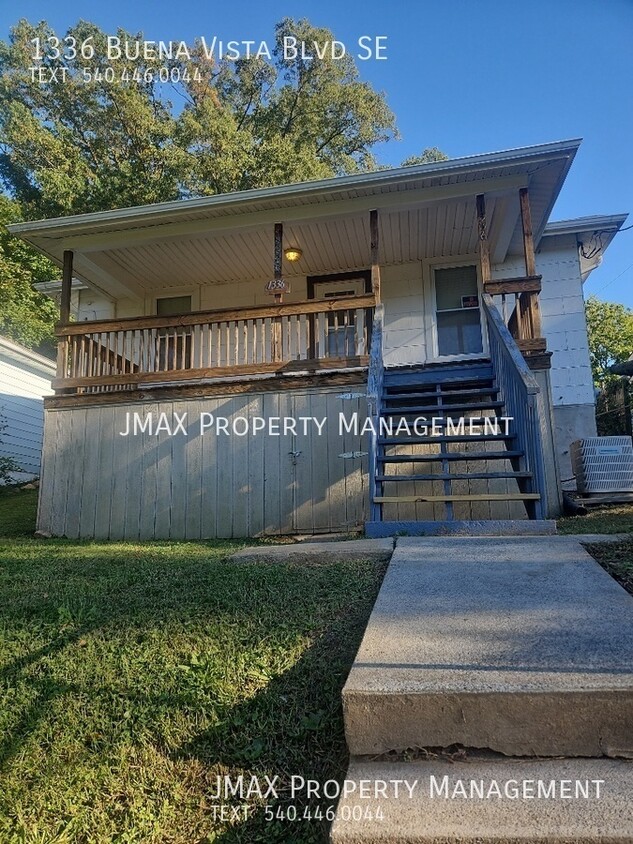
516	646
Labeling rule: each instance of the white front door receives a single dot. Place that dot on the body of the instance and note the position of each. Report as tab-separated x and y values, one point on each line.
456	302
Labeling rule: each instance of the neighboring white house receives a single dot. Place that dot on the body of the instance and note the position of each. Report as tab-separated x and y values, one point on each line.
25	378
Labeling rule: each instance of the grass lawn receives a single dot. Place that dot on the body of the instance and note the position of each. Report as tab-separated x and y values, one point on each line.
615	518
133	675
617	559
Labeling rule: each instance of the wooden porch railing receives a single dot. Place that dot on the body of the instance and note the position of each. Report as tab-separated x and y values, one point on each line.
520	393
123	354
518	297
519	307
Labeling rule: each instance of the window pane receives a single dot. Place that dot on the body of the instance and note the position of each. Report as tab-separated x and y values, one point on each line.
459	332
173	305
451	283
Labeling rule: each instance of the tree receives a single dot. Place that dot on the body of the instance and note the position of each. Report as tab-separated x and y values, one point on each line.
429	155
25	314
109	137
610	329
75	145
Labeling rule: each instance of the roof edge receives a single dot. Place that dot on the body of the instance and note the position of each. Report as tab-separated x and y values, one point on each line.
18	352
594	222
151	213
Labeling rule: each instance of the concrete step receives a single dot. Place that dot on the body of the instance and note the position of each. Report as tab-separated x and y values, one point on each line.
430	802
463	528
523	646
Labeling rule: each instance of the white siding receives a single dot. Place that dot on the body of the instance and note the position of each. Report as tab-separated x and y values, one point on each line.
22	388
563	320
403	296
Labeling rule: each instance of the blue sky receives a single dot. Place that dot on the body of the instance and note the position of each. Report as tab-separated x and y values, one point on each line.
468	76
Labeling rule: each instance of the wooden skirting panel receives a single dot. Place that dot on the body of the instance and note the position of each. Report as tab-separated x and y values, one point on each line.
96	483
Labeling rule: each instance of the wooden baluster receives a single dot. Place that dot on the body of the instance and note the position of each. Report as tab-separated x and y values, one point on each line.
360	340
276	340
304	338
124	352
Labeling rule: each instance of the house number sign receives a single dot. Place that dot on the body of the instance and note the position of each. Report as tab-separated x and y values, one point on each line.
277	285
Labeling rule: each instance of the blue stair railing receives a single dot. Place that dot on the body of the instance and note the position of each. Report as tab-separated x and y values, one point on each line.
374	398
520	392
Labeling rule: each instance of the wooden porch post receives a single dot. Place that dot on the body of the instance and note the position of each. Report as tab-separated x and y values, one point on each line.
276	324
530	263
528	239
482	240
67	280
375	266
64	314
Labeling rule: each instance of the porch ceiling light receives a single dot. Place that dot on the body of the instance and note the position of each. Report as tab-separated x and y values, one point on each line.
293	253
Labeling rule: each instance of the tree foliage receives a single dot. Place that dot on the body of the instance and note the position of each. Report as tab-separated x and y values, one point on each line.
80	143
25	314
72	146
428	156
610	328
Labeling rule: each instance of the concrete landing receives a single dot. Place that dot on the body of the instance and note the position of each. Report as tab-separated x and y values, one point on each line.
523	646
579	801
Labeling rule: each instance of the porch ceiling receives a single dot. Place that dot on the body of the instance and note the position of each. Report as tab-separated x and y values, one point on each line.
443	230
424	212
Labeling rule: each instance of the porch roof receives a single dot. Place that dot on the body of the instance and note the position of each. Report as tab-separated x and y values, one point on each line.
425	211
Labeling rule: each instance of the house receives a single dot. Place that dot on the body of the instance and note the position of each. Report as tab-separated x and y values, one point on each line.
259	362
25	378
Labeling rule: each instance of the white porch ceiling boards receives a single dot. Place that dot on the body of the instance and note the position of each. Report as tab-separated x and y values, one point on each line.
443	230
424	211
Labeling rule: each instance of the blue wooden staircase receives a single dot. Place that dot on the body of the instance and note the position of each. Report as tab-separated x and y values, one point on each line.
489	469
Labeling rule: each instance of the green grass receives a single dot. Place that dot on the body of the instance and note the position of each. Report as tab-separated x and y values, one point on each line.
617	518
132	675
18	508
617	559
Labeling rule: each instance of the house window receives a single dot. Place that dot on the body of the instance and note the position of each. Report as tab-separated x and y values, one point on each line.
458	317
174	343
173	305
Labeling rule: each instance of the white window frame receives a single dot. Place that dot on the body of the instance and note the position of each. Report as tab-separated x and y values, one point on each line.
429	267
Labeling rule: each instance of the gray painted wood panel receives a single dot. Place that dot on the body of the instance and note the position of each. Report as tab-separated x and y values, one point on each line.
97	483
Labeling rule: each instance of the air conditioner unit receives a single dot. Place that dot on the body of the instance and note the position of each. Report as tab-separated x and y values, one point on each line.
603	464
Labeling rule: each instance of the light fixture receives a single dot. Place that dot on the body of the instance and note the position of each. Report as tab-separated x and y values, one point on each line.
293	253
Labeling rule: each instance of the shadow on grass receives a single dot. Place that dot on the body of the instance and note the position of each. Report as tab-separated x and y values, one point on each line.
292	728
72	614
